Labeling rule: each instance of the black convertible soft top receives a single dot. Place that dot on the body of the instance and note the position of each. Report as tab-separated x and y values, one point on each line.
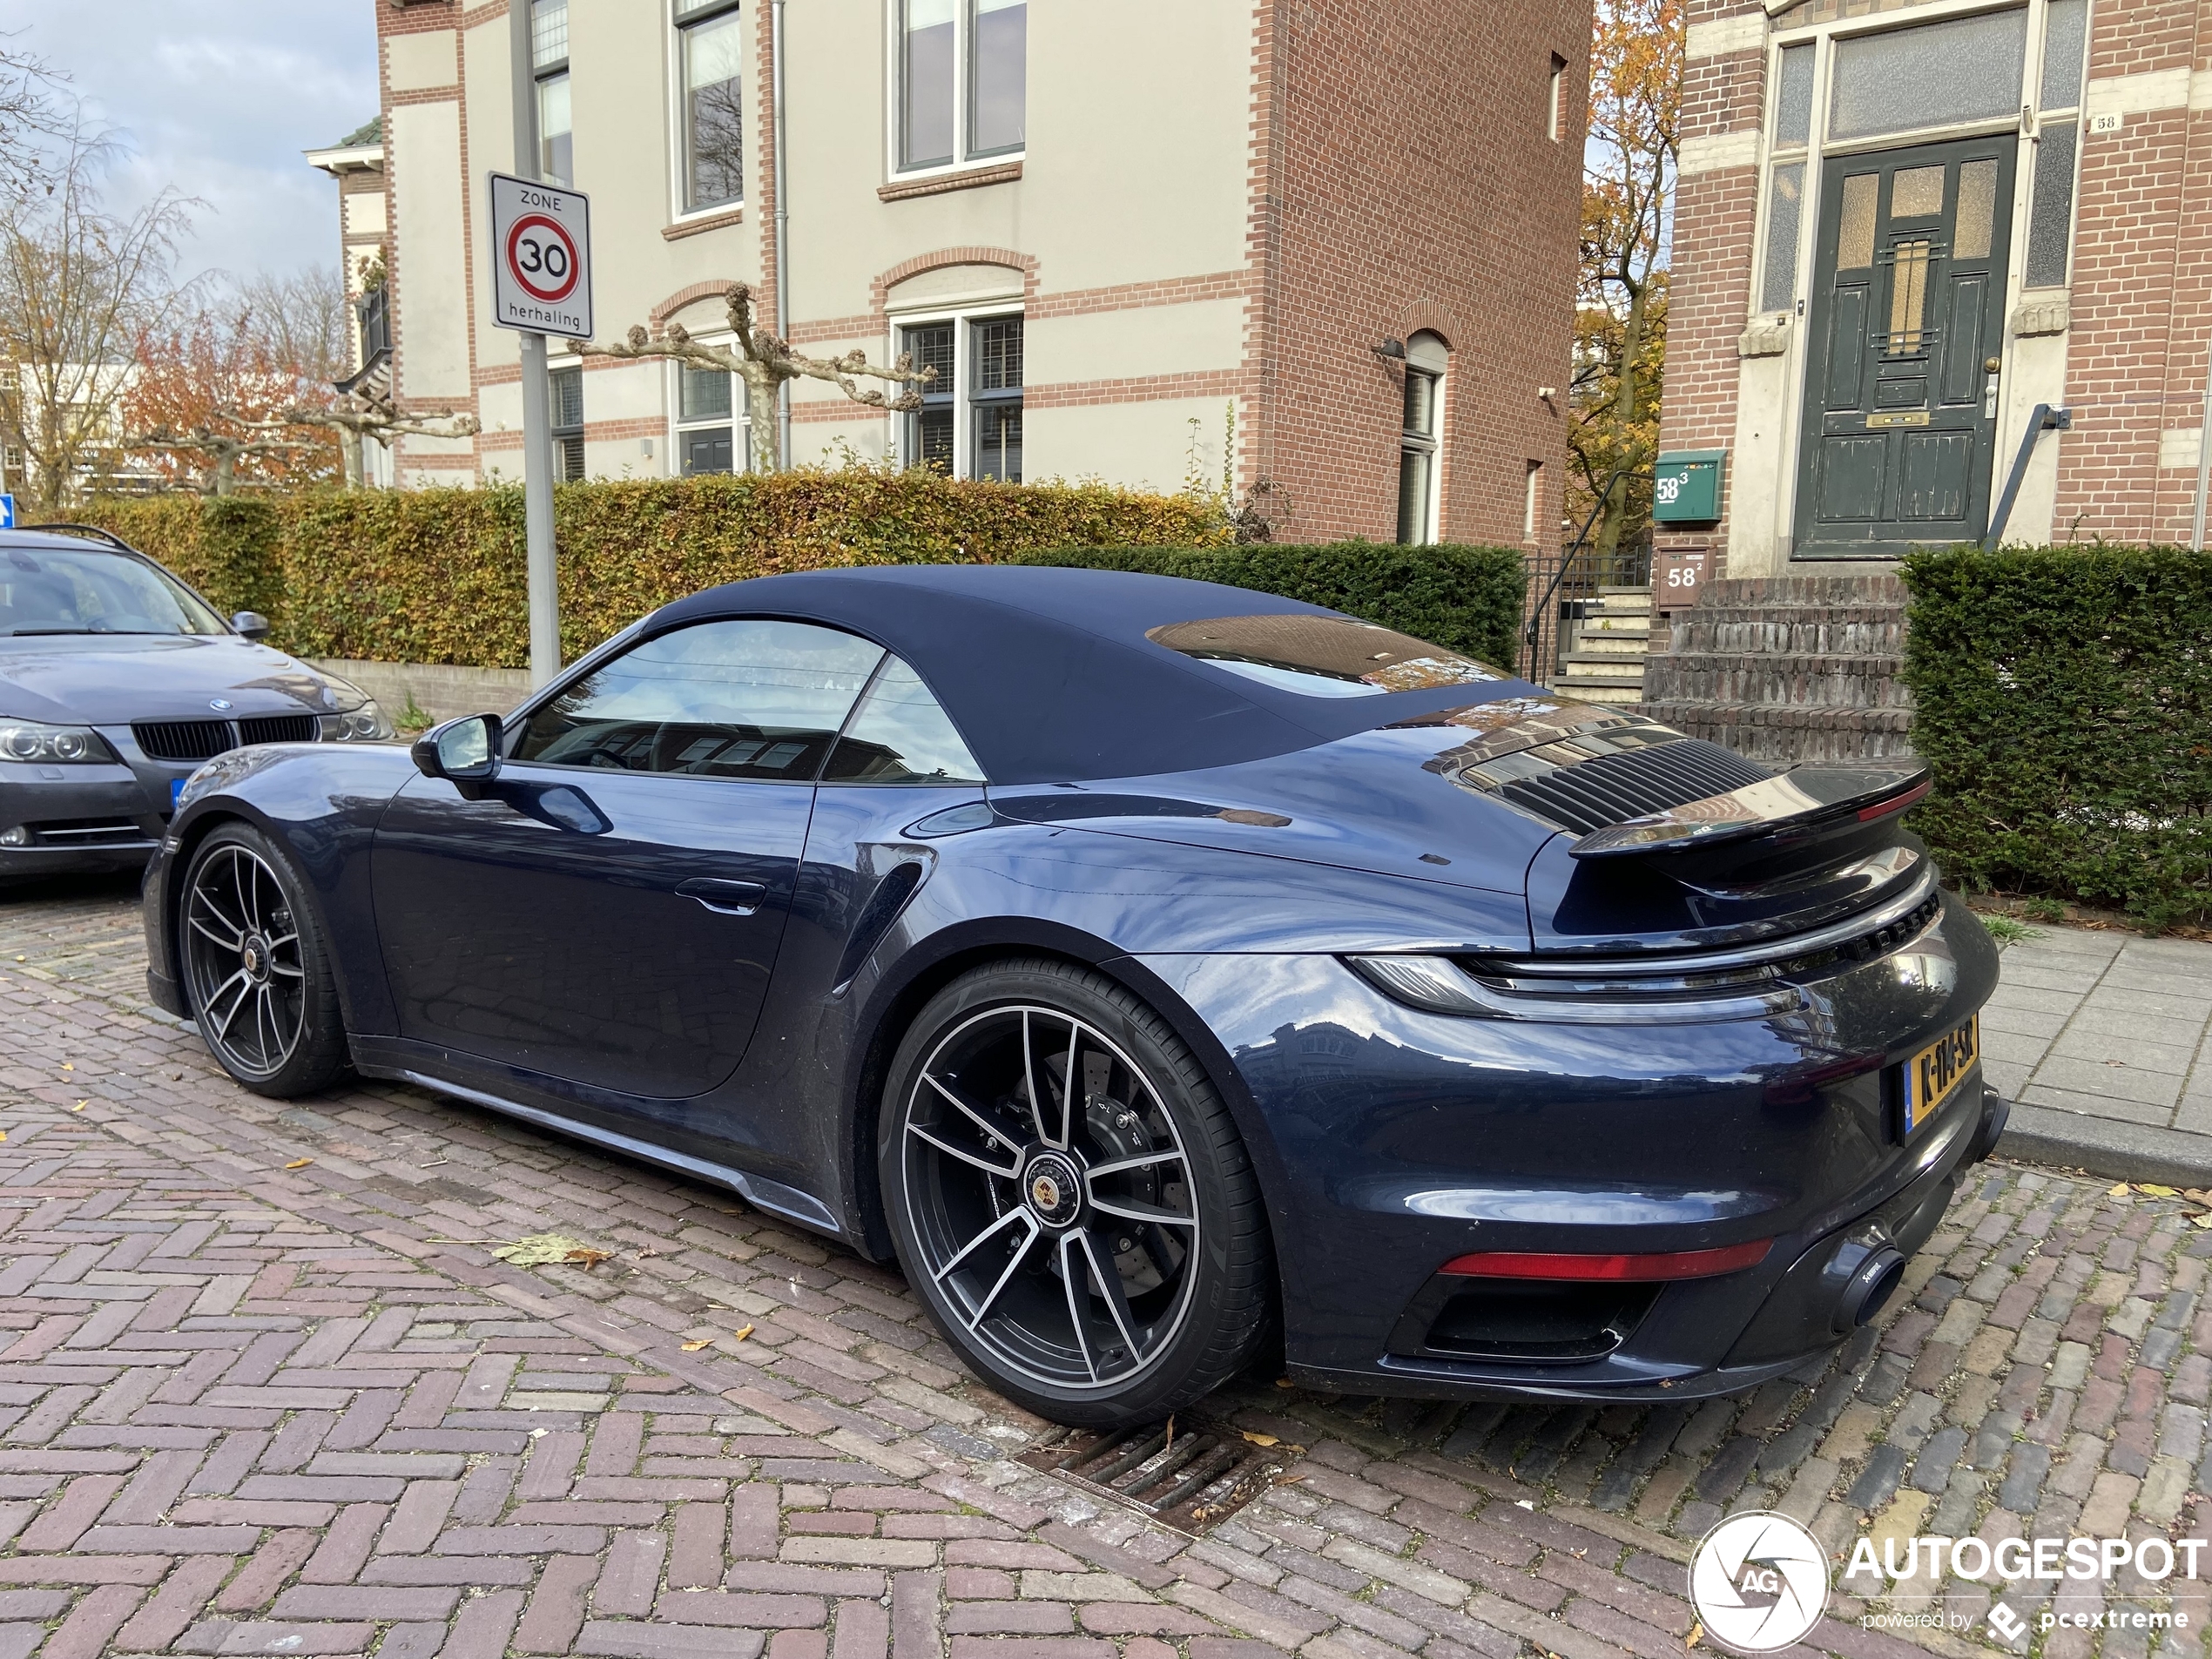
1048	674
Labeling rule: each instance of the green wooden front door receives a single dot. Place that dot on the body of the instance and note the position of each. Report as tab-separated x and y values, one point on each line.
1907	332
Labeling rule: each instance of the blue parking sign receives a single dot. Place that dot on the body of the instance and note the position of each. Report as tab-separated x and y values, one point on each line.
7	512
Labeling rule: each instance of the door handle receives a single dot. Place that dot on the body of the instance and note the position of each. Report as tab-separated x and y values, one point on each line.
723	898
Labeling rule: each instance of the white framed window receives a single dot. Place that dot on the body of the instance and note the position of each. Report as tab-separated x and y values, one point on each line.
1532	500
959	82
550	62
566	385
969	424
1420	437
2058	144
710	105
1556	101
713	434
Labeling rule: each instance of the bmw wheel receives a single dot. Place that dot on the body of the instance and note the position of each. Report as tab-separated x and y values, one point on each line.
256	974
1069	1196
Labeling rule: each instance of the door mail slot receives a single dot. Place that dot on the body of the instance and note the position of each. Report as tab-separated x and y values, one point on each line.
1686	486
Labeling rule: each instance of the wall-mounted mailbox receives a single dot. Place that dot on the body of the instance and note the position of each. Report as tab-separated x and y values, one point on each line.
1686	486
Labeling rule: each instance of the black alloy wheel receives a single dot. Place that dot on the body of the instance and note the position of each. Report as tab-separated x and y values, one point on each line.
1070	1197
255	972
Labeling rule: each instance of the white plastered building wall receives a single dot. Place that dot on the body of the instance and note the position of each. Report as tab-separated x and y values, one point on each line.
1103	232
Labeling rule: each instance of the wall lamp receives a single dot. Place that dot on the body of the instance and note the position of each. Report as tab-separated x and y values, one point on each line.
1390	351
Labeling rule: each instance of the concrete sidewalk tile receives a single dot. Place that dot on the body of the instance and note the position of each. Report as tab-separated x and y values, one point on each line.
2109	1080
2087	1040
2104	1106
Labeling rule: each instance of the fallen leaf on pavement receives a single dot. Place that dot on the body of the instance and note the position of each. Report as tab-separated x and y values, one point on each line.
2202	1219
2119	1191
1261	1440
740	1336
1696	1633
545	1250
80	1105
1285	1382
298	1163
693	1347
2151	1191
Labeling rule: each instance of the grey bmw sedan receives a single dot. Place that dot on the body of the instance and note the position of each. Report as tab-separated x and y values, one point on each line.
117	681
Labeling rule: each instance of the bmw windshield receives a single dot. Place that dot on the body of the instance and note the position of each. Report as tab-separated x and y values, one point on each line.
61	590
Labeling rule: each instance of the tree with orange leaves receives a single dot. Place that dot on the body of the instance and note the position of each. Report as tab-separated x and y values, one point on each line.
215	406
1629	169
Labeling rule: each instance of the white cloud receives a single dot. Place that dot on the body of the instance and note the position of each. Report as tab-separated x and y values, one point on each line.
216	99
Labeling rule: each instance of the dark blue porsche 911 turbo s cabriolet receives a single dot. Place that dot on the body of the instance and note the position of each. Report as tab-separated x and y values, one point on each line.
1145	964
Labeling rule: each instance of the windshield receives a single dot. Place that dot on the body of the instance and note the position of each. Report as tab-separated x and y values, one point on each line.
63	591
1322	655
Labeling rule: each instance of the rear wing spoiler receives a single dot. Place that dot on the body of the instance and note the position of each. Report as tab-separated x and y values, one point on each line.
1808	800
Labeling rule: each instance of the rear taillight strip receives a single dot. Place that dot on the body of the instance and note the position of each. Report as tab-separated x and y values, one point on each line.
1626	1269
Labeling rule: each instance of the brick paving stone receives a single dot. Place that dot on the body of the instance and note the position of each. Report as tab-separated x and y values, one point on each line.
245	1408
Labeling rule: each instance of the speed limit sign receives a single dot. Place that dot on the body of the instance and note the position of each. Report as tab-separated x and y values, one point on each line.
540	245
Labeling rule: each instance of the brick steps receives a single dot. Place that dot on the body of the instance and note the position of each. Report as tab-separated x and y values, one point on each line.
1605	648
1789	668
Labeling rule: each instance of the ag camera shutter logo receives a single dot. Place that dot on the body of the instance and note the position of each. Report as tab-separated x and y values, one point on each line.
1759	1581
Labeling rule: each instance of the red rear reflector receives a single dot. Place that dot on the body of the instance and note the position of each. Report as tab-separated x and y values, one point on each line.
1679	1263
1895	803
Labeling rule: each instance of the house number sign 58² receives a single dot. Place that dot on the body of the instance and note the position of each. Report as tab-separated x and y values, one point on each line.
541	239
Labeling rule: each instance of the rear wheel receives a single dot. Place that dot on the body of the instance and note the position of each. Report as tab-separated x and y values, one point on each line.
1069	1196
256	970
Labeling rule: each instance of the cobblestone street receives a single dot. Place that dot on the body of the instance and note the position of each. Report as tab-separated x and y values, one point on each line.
248	1407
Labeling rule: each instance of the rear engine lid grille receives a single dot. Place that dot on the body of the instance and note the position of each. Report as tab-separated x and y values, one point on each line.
1189	1472
183	739
1607	789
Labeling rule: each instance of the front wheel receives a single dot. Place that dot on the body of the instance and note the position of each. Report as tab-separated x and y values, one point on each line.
1069	1196
256	970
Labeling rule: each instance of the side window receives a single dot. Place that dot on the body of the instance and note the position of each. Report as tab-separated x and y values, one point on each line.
900	735
752	700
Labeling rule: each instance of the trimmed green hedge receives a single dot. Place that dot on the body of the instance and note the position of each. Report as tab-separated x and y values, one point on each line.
1465	598
2064	701
436	576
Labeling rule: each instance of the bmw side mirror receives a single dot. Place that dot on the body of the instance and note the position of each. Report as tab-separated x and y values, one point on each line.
465	752
250	625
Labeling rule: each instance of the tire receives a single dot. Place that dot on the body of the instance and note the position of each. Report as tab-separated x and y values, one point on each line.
255	967
1143	1196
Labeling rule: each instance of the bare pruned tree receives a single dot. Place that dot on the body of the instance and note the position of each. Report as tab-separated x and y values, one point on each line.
366	416
764	363
78	286
220	449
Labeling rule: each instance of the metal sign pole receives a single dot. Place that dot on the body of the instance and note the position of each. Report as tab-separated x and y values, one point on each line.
537	394
2204	456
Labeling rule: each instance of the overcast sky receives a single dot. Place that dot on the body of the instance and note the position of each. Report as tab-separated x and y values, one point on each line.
216	98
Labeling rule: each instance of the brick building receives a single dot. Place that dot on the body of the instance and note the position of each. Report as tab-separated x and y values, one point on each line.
2063	257
1906	227
1109	227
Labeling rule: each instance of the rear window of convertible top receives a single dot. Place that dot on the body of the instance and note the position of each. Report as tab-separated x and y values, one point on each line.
1322	655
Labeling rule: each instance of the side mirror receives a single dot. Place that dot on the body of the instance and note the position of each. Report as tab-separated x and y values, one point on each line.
251	624
465	752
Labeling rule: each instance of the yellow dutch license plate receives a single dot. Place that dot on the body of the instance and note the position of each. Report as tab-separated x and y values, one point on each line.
1933	1076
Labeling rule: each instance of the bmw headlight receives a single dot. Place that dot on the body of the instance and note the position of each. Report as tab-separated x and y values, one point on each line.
70	744
363	723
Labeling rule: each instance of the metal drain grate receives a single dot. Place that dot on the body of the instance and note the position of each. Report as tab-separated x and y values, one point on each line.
1191	1475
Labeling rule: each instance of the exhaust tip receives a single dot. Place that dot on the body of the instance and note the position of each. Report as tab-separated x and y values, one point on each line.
1996	1111
1869	1289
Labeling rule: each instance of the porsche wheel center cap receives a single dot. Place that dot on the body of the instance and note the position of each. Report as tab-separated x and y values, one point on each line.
254	958
1052	1189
